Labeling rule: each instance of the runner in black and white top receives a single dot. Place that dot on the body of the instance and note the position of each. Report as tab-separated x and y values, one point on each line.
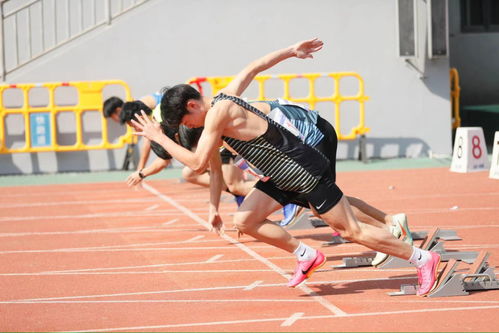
247	131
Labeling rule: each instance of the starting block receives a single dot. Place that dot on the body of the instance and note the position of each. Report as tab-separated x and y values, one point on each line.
430	243
451	283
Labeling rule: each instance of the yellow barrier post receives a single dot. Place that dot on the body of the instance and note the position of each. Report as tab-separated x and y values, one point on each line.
455	92
89	99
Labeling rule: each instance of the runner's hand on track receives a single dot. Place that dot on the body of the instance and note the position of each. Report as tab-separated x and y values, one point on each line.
217	225
134	179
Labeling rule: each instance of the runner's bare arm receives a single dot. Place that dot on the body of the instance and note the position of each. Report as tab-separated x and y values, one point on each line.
208	143
216	184
243	79
144	154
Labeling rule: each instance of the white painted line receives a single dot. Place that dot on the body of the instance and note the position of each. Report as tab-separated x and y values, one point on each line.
79	203
253	285
97	231
93	216
291	320
195	238
140	272
198	290
214	258
267	320
122	250
233	300
324	302
153	207
171	222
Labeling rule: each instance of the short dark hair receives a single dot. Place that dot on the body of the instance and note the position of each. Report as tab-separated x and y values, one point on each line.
174	103
189	137
110	105
158	149
130	109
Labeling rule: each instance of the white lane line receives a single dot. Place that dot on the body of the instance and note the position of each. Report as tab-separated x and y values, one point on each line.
323	301
447	210
163	212
80	203
124	249
180	228
140	272
97	231
197	263
267	320
195	238
153	207
121	247
214	258
232	300
170	222
198	290
291	320
253	285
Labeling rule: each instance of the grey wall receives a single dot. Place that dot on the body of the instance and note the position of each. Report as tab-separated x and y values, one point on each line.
166	42
475	57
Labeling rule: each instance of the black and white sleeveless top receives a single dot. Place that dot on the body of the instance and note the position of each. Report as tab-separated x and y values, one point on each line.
291	164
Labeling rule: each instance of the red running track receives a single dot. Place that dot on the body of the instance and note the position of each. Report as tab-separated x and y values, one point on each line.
102	257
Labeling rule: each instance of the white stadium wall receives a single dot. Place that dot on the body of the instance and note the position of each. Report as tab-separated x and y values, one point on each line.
165	42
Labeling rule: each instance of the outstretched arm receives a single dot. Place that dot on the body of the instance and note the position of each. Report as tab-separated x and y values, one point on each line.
243	79
210	139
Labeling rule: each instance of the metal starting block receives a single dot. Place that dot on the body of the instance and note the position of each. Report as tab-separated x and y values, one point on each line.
451	283
430	243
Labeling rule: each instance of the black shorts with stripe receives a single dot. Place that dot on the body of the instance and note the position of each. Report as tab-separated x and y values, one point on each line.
326	194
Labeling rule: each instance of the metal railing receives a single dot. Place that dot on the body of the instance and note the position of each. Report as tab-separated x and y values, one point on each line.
30	29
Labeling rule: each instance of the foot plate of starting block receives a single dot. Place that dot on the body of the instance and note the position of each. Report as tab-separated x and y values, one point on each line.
350	262
405	289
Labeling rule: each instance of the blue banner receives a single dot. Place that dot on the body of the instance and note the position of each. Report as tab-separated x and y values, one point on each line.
40	129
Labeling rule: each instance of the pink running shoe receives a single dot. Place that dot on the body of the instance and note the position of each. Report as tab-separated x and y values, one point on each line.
427	275
304	269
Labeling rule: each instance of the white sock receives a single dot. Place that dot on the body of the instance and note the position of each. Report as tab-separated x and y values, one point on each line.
419	257
304	252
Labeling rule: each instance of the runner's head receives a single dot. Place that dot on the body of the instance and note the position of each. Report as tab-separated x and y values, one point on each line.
112	108
182	104
130	109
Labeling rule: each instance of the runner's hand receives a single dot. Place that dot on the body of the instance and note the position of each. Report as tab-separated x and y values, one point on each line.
217	225
148	128
305	49
134	179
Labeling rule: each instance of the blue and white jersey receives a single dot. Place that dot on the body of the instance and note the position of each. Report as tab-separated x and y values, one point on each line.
304	122
157	97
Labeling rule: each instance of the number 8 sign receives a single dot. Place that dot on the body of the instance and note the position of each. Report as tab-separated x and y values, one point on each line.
470	152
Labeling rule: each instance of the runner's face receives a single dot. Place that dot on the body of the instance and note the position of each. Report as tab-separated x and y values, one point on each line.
116	115
194	116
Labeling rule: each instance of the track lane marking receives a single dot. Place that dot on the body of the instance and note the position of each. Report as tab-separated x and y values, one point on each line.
324	302
280	319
